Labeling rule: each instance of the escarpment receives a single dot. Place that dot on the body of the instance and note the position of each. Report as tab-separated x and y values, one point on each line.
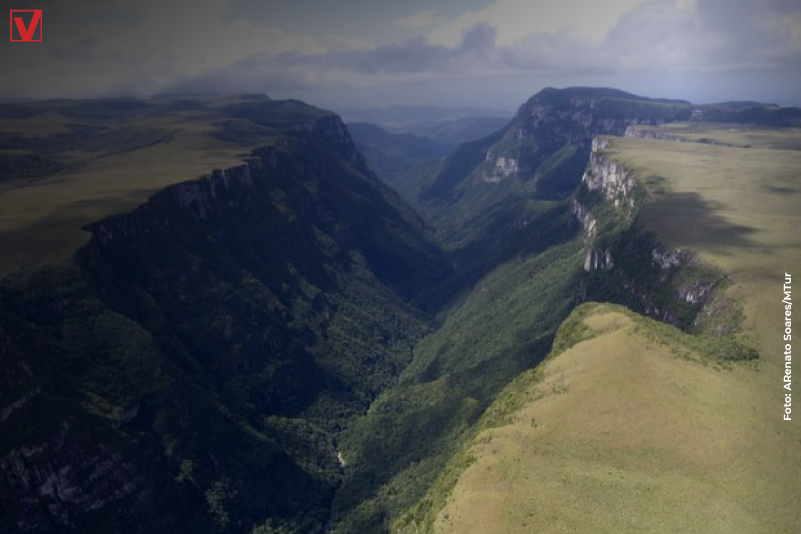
540	154
655	134
193	367
625	262
610	178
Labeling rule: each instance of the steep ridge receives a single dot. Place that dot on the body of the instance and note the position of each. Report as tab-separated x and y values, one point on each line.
520	278
193	367
631	425
401	160
515	181
626	262
605	437
540	151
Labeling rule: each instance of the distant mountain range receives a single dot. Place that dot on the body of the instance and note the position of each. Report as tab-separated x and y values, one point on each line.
447	126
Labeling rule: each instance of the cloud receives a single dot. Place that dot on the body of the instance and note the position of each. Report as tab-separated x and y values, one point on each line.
419	19
707	35
666	35
94	48
153	47
410	61
519	19
752	34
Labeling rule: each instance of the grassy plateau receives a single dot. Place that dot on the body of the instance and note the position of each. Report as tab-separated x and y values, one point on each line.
136	151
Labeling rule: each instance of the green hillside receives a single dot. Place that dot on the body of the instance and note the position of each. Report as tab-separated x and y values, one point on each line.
631	425
193	364
519	271
400	160
629	429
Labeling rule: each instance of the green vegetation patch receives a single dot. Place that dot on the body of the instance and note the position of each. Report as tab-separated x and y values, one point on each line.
586	322
25	167
244	132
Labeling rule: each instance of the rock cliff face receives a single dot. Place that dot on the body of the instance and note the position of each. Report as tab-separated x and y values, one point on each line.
542	152
501	167
192	369
199	198
332	129
599	260
610	178
658	135
628	264
555	118
614	183
70	479
586	218
578	115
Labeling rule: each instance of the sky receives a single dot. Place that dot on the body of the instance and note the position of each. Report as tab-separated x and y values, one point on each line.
488	53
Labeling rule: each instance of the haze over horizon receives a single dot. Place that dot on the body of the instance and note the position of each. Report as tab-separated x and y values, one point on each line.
488	53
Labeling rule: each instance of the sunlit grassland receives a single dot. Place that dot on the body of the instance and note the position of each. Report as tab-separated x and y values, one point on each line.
738	207
41	219
738	135
622	434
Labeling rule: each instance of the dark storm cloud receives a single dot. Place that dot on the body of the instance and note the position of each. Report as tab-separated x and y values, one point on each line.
417	56
393	61
368	18
718	35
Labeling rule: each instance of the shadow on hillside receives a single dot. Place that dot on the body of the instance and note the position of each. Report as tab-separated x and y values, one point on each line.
687	220
779	189
504	234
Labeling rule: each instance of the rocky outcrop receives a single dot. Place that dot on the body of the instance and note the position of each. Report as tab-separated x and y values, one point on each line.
333	130
585	217
627	263
651	133
502	167
612	179
598	260
667	259
8	411
63	480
